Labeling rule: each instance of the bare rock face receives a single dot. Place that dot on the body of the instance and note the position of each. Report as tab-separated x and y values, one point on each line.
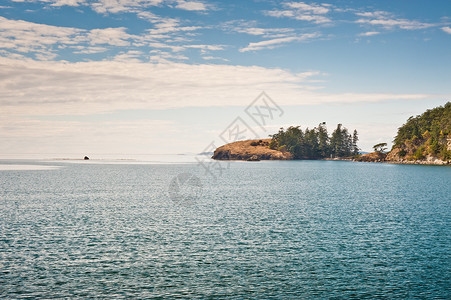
251	150
395	155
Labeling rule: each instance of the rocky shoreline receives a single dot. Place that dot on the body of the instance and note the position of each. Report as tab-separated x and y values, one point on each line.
256	150
430	160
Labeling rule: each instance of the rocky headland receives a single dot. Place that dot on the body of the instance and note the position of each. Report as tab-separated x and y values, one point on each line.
424	139
250	150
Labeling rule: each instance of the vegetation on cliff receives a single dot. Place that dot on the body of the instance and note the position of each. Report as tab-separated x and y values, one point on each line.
426	135
315	143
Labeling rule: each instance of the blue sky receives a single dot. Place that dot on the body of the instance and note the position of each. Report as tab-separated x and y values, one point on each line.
168	76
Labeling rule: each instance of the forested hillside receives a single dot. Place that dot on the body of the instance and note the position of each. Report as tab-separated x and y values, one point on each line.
428	134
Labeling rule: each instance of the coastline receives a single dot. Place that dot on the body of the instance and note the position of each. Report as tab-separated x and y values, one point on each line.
257	150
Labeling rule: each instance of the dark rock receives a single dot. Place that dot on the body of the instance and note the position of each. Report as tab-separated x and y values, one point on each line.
253	158
86	158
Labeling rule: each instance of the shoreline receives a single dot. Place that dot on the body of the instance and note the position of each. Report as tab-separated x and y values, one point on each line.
406	162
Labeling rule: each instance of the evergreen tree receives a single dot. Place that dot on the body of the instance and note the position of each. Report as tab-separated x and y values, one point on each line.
323	140
336	142
355	139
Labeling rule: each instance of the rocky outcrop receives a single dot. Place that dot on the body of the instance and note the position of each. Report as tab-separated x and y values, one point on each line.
405	156
250	150
397	156
372	157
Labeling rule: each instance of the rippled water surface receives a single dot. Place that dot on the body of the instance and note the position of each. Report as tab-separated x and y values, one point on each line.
299	229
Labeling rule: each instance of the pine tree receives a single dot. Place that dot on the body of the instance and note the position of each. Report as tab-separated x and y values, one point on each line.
355	139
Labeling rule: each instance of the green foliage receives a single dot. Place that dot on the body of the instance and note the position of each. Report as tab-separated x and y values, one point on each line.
381	147
419	153
355	139
273	144
315	143
426	133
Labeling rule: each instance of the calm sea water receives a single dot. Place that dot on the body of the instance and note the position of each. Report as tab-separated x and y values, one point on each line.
299	229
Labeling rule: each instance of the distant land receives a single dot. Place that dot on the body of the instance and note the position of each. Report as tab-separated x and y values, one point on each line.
424	139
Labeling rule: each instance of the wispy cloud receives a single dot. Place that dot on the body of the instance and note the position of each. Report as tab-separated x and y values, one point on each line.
389	21
251	28
46	41
121	6
214	58
369	33
273	43
301	11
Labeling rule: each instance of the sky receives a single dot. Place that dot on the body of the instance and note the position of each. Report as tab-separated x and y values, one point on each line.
137	77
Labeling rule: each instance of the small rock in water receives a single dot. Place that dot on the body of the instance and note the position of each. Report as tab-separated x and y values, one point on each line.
253	158
86	158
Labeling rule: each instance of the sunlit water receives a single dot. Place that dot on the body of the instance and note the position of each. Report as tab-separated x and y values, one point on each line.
299	229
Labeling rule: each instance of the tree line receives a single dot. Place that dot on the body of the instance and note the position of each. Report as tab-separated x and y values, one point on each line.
316	143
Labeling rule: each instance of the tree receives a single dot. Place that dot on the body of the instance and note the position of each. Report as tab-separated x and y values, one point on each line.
381	147
323	140
355	139
336	141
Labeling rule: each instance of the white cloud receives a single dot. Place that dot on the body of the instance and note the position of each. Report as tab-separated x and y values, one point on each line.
109	36
125	6
88	50
374	14
316	9
301	11
159	56
132	56
34	87
447	29
192	5
388	21
249	27
206	47
68	2
45	41
369	33
118	6
26	37
271	44
214	58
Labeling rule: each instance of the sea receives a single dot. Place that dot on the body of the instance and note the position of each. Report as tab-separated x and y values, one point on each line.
160	228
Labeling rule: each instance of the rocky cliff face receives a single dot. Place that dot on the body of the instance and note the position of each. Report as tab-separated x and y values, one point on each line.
251	150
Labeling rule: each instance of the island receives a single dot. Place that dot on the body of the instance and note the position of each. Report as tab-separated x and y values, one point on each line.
250	150
424	139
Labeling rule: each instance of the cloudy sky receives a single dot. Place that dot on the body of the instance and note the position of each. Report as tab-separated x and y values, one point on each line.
132	77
